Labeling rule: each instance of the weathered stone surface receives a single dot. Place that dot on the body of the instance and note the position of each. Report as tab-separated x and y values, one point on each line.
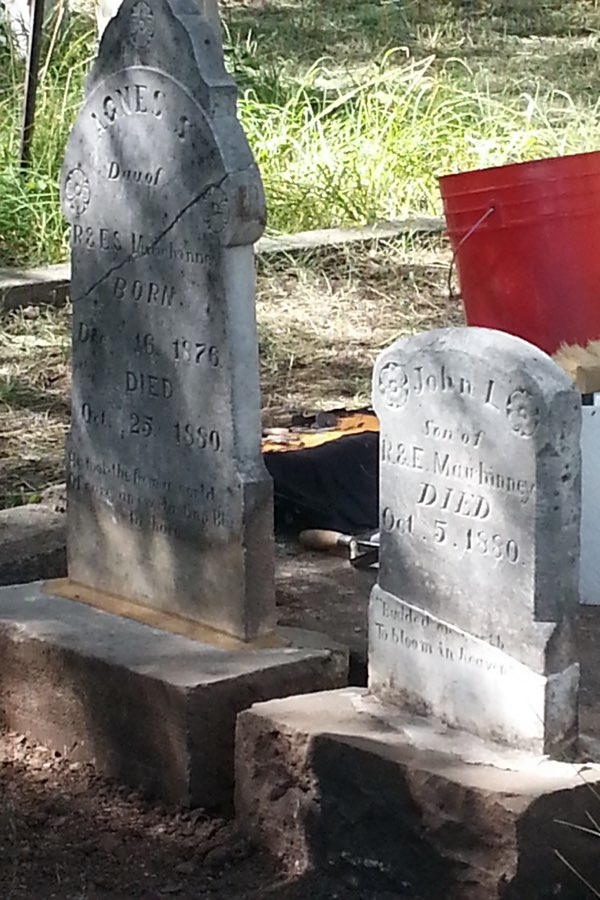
32	544
472	617
330	780
153	709
302	577
169	500
50	284
431	667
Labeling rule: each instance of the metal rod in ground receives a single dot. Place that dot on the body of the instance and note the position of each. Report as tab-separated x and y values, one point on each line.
31	80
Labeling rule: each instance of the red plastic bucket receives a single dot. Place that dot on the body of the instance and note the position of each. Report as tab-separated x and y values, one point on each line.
526	239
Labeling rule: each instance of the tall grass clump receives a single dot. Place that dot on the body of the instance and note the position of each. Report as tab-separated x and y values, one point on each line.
345	139
31	227
372	146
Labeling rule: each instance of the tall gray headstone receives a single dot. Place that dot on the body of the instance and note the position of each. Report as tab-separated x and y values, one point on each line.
169	503
471	619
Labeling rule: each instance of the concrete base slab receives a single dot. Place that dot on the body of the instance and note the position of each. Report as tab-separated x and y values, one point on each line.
153	709
32	544
336	780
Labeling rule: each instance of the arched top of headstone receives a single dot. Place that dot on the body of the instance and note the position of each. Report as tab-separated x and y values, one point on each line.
160	112
399	376
173	36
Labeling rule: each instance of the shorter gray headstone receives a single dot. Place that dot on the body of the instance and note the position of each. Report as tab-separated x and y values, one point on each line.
471	619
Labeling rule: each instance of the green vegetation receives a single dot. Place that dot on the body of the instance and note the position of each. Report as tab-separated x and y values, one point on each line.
352	107
31	227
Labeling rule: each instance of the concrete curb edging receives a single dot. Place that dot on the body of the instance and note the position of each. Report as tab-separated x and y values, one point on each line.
49	285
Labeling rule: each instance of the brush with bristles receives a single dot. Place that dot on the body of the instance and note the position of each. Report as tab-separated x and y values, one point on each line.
582	364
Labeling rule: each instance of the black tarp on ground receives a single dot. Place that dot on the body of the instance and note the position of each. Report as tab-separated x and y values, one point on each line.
333	486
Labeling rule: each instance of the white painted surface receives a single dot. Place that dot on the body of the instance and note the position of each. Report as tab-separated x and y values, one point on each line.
589	573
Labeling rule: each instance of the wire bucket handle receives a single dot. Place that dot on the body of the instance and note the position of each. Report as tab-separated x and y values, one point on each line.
463	240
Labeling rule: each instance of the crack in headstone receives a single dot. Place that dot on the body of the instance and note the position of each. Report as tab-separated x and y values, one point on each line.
155	242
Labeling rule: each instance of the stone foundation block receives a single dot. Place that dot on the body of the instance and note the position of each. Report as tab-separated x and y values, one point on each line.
153	709
32	544
338	781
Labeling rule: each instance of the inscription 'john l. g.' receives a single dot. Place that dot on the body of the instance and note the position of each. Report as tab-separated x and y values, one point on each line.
397	382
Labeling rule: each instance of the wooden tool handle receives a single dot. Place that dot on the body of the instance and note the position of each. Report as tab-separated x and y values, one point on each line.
320	539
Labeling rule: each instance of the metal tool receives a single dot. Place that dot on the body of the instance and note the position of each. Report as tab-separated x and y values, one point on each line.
362	550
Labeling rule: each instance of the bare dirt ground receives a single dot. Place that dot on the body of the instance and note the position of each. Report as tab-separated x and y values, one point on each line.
68	834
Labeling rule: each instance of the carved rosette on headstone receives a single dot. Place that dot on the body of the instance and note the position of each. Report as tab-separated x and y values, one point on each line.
471	619
169	503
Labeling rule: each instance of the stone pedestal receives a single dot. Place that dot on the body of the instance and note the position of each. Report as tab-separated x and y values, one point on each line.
153	709
339	781
32	544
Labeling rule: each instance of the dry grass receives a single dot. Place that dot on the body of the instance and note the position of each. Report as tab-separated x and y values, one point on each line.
34	399
322	321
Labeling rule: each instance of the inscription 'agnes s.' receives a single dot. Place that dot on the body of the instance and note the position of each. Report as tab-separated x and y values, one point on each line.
141	99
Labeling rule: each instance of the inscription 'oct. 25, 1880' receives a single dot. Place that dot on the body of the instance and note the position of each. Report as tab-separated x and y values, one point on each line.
478	456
